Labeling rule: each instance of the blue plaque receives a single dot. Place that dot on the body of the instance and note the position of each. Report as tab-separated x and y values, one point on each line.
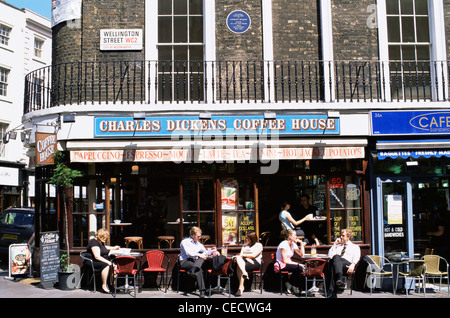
238	21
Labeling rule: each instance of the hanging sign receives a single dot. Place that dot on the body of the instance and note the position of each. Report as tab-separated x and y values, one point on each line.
46	145
238	21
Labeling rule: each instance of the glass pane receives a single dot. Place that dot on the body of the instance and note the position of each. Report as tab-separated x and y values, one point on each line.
408	29
196	29
207	222
393	29
392	6
180	30
406	6
423	53
337	224
337	193
164	7
246	225
196	53
189	195
195	6
165	53
164	29
422	7
408	53
394	217
206	195
354	223
180	7
423	34
394	53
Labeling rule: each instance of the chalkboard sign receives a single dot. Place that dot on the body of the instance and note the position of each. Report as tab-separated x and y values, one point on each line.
238	21
49	258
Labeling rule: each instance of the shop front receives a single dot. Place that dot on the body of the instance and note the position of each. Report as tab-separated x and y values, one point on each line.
159	176
411	170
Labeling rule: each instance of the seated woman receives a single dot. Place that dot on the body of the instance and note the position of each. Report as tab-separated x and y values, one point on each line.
100	255
248	260
284	262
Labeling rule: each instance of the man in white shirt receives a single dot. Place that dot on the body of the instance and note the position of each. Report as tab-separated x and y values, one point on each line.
344	256
192	256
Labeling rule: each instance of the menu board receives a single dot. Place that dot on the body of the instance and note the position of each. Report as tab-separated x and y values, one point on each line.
49	258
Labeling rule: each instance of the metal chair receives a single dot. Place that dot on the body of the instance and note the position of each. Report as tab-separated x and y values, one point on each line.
376	271
314	272
155	261
416	269
87	261
432	269
125	268
259	273
280	272
264	238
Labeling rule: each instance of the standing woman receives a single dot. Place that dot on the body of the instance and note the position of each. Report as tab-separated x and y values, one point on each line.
288	221
285	252
248	260
100	255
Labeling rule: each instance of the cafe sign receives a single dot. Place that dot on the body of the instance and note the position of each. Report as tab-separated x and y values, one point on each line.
46	145
239	125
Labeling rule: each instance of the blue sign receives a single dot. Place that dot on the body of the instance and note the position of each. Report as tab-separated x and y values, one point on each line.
244	125
238	21
410	122
413	154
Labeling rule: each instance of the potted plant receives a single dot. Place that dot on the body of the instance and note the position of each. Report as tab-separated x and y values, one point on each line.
68	274
63	178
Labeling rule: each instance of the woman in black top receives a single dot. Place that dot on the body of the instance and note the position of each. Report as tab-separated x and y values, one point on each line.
100	255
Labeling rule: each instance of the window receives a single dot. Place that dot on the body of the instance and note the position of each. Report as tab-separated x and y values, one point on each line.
38	44
3	81
180	50
409	48
4	34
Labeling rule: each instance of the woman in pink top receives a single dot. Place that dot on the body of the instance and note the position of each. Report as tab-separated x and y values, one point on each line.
284	262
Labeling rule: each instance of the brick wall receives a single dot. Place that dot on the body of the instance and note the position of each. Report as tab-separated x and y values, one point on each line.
353	39
296	33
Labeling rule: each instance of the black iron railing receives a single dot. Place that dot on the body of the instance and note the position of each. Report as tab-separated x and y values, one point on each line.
155	82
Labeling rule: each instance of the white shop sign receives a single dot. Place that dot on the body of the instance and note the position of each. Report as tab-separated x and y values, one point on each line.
214	154
121	40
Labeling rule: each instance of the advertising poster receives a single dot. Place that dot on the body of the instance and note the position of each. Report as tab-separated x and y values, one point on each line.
229	228
19	259
228	193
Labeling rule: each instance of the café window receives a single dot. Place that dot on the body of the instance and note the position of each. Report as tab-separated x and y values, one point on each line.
198	207
345	206
180	50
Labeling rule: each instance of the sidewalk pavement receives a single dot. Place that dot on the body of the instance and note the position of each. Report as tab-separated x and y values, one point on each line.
29	288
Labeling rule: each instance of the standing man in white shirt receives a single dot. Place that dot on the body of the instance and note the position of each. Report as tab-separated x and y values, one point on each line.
192	256
344	256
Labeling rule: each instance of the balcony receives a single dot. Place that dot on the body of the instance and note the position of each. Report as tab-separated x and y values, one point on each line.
296	83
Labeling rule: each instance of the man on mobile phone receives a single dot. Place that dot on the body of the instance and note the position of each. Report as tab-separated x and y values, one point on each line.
344	255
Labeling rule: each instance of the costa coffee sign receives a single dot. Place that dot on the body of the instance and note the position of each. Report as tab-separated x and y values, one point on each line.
45	148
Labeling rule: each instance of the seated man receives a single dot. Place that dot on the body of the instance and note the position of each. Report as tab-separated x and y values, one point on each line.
192	256
344	256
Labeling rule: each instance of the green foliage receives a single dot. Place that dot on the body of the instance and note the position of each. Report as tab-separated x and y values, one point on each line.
63	176
64	262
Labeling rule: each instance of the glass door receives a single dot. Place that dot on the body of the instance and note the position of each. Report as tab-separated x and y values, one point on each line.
395	217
